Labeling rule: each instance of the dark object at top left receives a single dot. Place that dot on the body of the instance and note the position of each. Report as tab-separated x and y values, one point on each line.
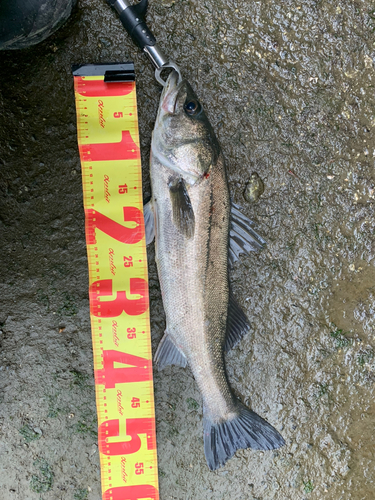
26	22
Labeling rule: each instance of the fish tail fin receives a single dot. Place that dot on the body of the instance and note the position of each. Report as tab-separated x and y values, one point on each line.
245	430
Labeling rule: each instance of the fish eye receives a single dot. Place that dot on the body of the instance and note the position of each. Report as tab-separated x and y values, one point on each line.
192	107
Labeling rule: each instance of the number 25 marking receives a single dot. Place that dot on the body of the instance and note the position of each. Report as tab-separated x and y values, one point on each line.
128	261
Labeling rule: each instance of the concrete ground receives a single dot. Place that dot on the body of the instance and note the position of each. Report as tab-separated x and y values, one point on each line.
289	89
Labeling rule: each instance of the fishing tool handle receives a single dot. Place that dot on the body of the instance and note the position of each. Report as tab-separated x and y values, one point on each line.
133	20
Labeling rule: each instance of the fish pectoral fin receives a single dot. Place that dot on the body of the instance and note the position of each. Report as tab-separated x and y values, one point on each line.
237	324
148	214
182	210
243	238
168	353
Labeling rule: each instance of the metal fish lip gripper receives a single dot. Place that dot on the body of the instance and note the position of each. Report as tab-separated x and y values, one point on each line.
132	17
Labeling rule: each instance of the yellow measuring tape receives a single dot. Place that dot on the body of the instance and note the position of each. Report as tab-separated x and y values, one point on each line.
108	142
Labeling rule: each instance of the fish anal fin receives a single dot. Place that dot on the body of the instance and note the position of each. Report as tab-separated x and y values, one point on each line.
182	210
168	353
237	324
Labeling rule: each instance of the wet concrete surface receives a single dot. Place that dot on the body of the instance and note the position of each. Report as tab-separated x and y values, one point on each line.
289	89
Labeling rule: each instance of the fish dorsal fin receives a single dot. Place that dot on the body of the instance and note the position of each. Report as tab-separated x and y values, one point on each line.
168	353
182	210
243	238
148	214
237	324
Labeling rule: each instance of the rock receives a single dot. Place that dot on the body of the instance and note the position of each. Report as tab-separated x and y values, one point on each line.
254	188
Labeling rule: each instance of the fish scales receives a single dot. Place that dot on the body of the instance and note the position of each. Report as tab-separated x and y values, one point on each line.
194	280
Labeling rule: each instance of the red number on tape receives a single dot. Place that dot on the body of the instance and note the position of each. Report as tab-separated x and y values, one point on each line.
113	308
126	149
140	369
139	492
135	403
96	220
131	333
134	427
139	468
128	261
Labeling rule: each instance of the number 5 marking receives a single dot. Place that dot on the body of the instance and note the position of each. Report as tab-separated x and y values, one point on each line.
134	427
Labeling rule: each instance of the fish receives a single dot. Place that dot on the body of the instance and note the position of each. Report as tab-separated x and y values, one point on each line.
199	233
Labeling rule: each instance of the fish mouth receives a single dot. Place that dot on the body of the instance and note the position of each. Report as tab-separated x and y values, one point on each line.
170	93
167	108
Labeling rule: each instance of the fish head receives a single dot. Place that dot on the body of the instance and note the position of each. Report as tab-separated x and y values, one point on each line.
183	138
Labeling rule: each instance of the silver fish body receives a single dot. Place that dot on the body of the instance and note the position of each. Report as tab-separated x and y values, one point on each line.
192	225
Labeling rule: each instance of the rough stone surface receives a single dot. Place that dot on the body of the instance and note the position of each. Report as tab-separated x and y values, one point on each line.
289	89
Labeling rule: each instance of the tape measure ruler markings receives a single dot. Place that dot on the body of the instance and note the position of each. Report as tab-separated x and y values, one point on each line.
108	141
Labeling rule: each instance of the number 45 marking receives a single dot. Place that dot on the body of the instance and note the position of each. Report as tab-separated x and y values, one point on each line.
135	403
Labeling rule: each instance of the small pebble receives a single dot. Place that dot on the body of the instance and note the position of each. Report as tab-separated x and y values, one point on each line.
254	188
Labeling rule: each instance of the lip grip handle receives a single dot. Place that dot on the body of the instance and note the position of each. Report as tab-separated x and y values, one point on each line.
133	20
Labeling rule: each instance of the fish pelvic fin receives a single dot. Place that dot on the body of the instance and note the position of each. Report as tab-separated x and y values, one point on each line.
243	238
245	430
148	214
237	324
183	213
168	353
